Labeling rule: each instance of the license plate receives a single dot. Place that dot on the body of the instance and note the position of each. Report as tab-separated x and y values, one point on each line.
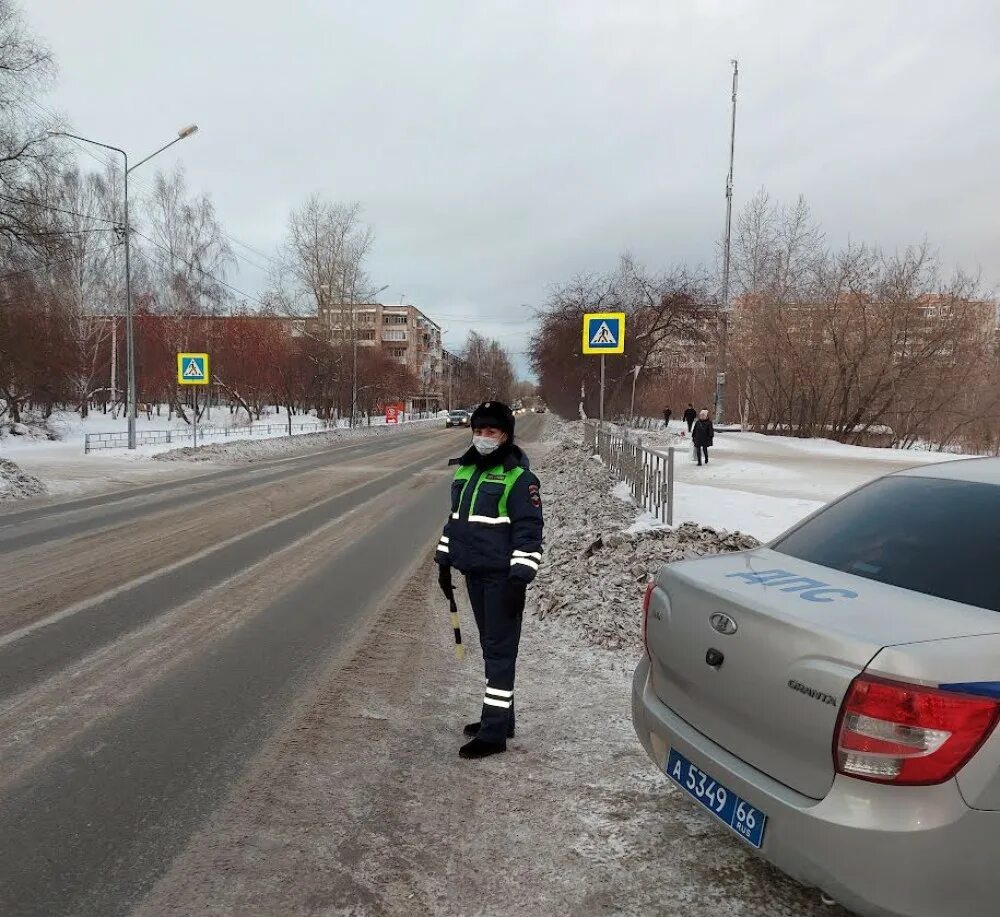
724	804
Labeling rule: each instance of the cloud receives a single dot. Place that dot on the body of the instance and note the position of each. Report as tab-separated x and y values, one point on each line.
500	146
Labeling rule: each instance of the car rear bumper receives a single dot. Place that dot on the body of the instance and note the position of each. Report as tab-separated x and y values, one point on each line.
880	850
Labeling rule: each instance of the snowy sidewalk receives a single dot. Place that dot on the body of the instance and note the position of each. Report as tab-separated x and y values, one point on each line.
765	484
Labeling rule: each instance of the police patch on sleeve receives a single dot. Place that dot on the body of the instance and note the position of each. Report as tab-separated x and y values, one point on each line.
534	496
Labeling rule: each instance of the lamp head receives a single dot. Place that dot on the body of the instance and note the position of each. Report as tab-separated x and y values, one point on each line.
187	131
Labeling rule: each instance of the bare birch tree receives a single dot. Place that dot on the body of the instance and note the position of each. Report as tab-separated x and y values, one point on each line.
186	250
88	279
26	153
323	257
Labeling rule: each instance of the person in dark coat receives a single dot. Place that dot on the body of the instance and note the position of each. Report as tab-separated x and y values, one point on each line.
667	413
703	436
494	536
690	415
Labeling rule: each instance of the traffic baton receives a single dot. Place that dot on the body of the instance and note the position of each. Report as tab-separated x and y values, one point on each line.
456	626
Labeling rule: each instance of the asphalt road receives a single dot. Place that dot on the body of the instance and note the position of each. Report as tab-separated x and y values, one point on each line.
151	641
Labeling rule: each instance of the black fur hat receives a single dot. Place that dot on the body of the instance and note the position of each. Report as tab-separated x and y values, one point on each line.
494	414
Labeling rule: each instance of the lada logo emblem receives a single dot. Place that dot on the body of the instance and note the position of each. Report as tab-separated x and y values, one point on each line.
723	623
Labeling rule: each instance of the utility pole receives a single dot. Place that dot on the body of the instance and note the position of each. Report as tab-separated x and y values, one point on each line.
376	334
354	359
114	366
720	372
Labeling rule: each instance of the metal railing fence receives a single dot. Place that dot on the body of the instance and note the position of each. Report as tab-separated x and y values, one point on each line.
649	474
95	442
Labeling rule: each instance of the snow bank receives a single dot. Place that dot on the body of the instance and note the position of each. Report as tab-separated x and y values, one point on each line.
16	484
65	431
242	451
31	428
599	553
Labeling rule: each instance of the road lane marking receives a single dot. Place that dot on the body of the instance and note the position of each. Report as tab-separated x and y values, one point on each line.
14	636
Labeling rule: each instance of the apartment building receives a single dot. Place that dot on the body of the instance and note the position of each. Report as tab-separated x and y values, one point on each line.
905	327
403	332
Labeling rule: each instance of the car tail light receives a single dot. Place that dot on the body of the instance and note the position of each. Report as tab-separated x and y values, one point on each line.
892	732
650	586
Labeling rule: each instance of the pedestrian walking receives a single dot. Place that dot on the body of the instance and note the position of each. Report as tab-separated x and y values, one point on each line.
703	436
690	415
494	536
667	414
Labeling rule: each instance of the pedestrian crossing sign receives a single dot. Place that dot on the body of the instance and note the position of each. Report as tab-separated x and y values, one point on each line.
192	369
604	332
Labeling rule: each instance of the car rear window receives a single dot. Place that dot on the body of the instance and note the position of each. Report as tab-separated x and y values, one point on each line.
934	536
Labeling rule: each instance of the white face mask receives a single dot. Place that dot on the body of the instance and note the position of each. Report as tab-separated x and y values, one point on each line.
484	445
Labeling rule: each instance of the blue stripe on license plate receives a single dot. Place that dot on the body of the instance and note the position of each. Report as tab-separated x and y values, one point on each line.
724	804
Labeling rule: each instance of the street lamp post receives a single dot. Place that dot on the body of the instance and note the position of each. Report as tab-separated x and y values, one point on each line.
130	397
354	355
723	356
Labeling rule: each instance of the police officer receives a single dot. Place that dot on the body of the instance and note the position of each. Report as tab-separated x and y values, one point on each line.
494	537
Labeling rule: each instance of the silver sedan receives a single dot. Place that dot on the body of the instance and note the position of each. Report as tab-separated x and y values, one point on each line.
831	698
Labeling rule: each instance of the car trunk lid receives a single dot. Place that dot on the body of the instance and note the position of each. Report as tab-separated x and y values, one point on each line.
802	634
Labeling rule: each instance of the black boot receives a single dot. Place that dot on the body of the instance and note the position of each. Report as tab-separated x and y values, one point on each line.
472	729
480	748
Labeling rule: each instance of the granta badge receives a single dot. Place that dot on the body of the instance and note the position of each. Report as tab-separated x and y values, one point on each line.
821	696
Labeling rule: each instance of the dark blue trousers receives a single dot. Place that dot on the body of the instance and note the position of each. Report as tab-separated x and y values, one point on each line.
498	607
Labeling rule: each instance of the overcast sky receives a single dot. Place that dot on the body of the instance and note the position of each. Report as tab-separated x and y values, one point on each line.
498	147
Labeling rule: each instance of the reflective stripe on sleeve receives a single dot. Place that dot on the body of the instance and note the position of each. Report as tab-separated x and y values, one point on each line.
524	560
489	520
535	554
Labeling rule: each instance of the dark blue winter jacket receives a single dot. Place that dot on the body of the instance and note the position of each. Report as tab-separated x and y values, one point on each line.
495	523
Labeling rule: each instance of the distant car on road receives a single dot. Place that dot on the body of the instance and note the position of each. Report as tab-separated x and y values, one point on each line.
831	698
540	409
457	419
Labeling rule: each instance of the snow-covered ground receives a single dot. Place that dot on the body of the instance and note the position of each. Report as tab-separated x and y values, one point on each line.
53	451
15	484
66	431
362	806
765	484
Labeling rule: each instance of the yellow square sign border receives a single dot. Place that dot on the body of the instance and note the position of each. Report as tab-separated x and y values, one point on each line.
181	357
620	349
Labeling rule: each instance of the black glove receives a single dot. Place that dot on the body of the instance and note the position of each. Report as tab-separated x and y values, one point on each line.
516	595
444	580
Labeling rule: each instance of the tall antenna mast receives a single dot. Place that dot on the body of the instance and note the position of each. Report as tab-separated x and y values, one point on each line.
720	375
